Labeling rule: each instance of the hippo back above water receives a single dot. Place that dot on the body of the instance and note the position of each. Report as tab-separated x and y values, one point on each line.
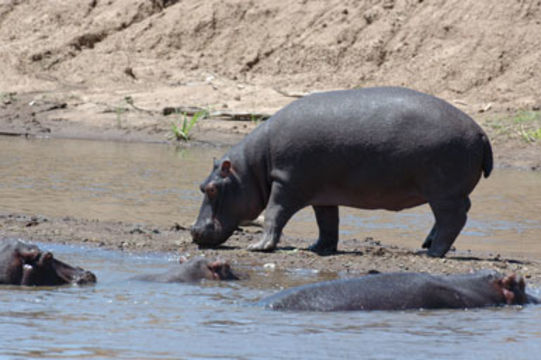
193	270
375	148
401	291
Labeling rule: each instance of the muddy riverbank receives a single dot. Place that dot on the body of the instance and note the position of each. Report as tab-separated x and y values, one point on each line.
110	70
143	197
355	256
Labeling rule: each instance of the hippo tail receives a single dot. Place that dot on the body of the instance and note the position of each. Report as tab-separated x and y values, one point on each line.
487	156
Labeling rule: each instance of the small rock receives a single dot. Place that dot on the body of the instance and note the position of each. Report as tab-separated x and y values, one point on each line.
178	227
137	230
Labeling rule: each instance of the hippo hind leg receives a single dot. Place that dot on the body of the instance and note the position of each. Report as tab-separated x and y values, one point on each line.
451	215
327	220
431	236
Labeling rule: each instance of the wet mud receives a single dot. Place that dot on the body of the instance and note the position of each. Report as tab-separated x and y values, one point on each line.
355	256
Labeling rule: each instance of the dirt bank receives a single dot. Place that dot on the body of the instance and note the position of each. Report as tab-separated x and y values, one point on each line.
477	52
355	256
108	70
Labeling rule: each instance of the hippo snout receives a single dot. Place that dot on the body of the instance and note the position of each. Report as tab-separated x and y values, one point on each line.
85	277
208	234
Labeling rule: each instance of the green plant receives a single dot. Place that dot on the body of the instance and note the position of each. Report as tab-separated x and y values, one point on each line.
524	125
529	125
530	135
8	97
255	119
181	130
523	117
119	110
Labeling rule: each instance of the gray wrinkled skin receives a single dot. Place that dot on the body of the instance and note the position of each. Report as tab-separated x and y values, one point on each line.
25	264
375	148
401	291
193	270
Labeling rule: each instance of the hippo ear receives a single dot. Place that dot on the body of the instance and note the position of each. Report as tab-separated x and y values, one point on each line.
226	168
28	255
182	259
521	284
46	258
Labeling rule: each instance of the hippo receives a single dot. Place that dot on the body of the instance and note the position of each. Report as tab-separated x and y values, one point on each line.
25	264
193	270
402	291
373	148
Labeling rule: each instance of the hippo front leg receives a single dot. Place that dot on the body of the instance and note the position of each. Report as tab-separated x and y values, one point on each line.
280	209
327	220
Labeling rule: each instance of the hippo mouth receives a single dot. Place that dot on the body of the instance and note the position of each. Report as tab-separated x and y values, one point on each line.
220	270
44	269
512	289
210	235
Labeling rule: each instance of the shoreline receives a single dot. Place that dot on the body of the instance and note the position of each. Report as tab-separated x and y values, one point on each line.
355	256
37	116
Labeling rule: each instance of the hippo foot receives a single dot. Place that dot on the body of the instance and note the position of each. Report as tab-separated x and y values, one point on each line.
427	243
262	245
437	251
321	248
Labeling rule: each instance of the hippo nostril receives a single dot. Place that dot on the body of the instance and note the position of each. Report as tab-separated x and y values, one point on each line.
86	278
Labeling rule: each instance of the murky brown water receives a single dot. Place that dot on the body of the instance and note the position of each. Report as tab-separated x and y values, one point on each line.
156	184
120	318
125	319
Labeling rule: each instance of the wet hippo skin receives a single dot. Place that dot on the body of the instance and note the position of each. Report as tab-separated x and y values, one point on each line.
193	270
401	291
25	264
374	148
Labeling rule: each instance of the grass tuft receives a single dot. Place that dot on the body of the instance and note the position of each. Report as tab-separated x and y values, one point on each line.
524	125
181	129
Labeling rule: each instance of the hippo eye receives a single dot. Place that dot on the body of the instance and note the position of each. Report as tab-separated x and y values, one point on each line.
211	191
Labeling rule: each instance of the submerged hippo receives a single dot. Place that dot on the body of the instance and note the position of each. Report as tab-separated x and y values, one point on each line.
400	291
375	148
193	270
26	264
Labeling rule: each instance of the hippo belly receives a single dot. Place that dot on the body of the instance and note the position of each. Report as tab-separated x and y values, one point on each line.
393	198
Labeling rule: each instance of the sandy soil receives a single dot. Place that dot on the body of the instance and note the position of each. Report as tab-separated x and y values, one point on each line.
108	70
355	256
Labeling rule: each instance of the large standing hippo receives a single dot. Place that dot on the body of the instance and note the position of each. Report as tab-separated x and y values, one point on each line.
375	148
26	264
400	291
193	270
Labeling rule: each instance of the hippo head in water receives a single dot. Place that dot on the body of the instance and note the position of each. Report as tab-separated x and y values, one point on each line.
199	268
229	198
193	270
26	264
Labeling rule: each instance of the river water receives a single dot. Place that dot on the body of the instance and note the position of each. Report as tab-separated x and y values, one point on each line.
121	318
127	319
